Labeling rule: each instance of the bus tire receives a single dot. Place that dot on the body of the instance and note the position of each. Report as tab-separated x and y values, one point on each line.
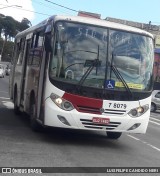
153	107
35	126
16	108
113	135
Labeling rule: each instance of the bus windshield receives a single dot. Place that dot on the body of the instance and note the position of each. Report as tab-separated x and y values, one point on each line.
86	55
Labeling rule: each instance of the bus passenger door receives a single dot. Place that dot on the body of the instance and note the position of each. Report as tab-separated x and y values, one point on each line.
23	81
12	69
19	70
33	76
42	76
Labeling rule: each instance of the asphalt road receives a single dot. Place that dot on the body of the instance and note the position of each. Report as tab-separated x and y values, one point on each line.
21	147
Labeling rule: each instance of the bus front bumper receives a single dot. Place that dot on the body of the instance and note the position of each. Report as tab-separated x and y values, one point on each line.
56	117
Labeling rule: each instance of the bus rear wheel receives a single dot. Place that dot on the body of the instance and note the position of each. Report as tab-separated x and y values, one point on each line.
113	135
16	108
35	126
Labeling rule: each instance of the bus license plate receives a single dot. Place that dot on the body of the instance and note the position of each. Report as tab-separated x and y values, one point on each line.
100	120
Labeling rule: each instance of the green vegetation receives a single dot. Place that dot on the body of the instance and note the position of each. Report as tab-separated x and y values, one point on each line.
9	27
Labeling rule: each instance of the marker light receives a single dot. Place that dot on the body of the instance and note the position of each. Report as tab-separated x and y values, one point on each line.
136	112
61	103
63	120
136	125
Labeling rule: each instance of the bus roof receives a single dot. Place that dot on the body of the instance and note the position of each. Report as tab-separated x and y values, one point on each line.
87	20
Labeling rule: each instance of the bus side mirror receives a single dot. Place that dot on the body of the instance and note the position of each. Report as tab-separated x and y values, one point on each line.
47	43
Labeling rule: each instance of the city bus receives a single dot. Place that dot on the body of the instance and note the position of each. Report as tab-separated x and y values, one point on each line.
83	73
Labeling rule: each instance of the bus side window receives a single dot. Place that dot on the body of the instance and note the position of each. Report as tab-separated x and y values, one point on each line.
21	52
16	52
33	41
38	48
28	52
40	37
31	50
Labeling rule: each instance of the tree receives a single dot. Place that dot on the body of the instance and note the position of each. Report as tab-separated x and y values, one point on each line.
7	51
25	23
1	27
1	23
9	27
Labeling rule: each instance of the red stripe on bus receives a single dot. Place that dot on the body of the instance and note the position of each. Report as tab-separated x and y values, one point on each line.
84	104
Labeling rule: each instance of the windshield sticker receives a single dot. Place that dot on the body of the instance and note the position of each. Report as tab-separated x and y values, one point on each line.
110	84
130	85
90	32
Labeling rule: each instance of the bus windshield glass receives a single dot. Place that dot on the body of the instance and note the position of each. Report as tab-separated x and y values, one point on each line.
86	55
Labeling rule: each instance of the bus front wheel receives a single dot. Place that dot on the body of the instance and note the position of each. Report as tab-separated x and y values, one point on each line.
153	107
113	135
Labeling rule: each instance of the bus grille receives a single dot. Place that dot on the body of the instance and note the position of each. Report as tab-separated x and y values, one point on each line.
86	109
89	124
114	112
93	110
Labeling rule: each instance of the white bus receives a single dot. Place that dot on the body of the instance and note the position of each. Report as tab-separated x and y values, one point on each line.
83	73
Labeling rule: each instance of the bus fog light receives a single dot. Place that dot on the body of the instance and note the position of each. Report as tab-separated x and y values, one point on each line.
133	112
136	112
63	120
61	102
136	125
67	105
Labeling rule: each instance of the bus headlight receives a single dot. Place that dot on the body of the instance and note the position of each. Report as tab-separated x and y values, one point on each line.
61	102
136	112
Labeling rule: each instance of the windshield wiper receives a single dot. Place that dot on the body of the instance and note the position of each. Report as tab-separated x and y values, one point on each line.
120	77
95	63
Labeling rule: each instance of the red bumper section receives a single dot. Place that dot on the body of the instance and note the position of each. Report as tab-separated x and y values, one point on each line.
84	104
